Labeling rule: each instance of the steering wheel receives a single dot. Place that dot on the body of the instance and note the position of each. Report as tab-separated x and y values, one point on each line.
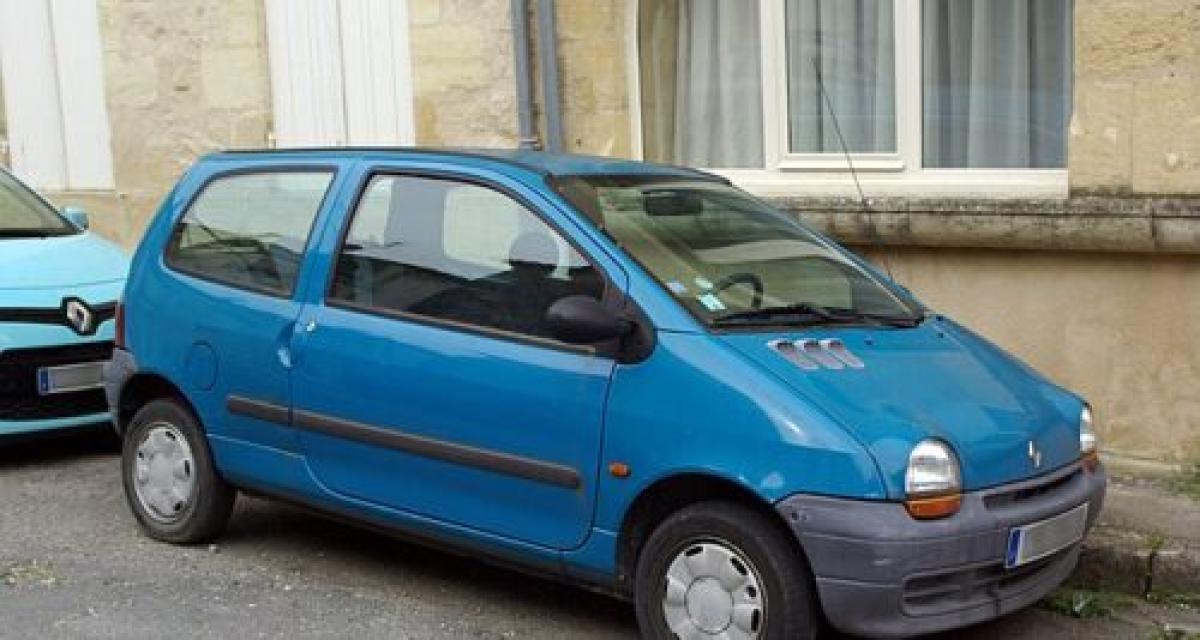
754	281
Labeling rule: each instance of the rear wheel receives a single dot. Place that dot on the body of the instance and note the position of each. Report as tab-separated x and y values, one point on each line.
170	482
722	570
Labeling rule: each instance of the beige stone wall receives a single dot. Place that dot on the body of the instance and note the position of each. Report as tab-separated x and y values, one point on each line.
595	82
181	79
1136	127
463	79
1121	330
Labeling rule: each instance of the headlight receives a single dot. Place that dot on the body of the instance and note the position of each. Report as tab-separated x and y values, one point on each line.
933	481
1089	444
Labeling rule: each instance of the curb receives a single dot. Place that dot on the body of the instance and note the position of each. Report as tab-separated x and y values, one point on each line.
1137	563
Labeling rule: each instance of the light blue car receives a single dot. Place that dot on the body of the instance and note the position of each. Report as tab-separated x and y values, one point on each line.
59	286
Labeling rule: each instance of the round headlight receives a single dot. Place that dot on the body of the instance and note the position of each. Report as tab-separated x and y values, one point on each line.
1088	442
932	470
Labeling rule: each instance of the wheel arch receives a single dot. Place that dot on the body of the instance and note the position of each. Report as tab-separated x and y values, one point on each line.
143	388
669	494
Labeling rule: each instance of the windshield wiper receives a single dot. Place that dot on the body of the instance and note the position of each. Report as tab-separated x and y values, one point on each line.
805	314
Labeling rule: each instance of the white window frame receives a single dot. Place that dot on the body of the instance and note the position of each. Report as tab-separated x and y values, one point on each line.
59	137
898	174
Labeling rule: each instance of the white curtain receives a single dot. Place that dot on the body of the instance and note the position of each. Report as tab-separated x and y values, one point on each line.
997	82
712	116
841	52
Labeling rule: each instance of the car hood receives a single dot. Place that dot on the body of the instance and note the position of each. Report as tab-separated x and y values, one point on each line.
59	261
937	380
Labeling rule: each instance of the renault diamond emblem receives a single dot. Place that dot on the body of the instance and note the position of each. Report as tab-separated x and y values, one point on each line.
1035	456
79	316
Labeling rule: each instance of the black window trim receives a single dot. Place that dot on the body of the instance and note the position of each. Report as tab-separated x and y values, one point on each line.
612	296
169	262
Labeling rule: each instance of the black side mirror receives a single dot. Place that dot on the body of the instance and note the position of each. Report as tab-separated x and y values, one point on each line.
584	320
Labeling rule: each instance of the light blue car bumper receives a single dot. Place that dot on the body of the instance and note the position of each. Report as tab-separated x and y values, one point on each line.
22	427
33	338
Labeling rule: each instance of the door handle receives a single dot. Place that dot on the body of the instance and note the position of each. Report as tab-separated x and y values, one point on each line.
310	326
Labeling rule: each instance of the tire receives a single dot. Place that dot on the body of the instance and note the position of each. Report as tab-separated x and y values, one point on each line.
757	568
170	482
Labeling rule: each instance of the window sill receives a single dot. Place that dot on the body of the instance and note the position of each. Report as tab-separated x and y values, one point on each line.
929	183
1078	223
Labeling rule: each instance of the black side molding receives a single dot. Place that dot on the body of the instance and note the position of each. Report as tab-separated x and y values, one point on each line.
267	411
505	463
508	464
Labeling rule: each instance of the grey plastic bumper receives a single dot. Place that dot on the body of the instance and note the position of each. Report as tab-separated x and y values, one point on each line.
117	372
882	574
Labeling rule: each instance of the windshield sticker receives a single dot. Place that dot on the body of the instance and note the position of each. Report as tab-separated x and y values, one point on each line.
704	283
676	287
710	302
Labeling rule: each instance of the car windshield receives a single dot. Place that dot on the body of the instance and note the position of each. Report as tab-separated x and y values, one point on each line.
731	259
24	214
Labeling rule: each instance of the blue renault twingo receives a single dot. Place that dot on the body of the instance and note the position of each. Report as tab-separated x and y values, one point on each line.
630	376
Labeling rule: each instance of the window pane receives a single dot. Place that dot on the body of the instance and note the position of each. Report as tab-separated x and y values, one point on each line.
841	61
997	82
701	82
250	230
457	252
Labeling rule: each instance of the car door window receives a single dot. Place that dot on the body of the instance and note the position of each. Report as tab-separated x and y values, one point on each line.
457	252
249	230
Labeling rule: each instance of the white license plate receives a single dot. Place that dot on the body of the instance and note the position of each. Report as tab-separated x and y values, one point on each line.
1036	541
70	377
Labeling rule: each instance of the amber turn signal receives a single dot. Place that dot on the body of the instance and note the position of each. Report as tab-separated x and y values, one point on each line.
932	508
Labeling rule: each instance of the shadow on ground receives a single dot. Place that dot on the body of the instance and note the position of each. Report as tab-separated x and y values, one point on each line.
55	448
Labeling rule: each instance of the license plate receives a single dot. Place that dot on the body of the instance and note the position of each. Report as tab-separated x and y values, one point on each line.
1036	541
70	377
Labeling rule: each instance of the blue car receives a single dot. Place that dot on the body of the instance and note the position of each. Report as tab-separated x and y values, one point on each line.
629	376
59	286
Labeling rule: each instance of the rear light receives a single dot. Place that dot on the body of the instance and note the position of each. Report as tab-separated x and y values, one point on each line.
119	330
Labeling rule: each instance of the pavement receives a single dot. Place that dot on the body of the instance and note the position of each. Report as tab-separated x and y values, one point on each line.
73	565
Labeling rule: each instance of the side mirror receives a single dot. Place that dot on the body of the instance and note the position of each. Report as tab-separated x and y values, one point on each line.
76	216
584	320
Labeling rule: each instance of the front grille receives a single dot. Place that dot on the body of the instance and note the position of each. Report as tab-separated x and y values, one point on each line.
965	588
19	397
1027	492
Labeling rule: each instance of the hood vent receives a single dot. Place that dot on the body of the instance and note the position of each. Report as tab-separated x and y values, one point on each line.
812	355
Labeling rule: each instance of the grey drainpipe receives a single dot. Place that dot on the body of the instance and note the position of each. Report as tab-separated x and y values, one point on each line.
527	138
548	61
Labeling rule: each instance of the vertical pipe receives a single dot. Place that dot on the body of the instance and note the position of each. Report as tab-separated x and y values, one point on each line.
548	61
526	138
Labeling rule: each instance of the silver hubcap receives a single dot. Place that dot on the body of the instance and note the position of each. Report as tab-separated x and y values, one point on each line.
164	474
712	591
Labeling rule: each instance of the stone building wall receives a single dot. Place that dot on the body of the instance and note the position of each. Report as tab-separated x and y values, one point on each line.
1136	129
463	78
182	79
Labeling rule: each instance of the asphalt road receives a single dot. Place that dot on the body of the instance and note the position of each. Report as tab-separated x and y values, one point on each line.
73	565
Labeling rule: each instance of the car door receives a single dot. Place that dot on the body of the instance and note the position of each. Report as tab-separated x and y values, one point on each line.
234	262
426	380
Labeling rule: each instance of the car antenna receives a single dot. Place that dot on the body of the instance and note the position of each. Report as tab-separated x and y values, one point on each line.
862	197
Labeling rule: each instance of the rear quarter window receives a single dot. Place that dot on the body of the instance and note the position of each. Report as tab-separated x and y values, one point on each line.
249	230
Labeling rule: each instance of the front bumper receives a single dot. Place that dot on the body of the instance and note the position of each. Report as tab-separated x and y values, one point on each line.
880	573
23	410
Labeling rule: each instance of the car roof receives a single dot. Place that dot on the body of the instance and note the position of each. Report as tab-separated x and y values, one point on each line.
540	162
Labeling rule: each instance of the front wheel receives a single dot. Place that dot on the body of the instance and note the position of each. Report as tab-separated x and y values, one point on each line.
722	570
170	483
